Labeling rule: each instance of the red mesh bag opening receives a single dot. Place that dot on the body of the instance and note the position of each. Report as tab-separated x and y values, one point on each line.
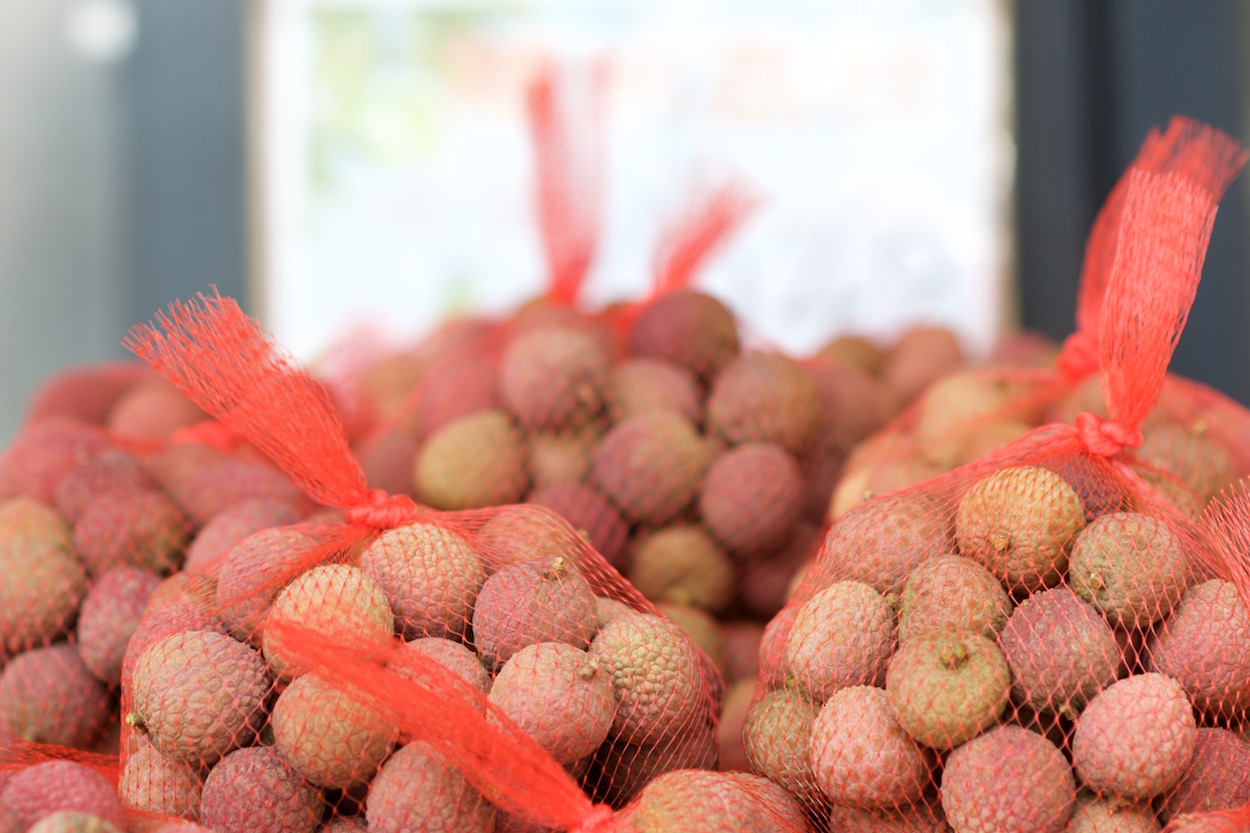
1000	647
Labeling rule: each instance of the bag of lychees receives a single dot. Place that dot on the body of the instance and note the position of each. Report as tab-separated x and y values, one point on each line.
1194	440
985	650
403	668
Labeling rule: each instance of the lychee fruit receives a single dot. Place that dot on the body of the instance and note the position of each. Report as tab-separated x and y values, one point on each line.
1218	777
1008	780
86	394
742	640
110	614
48	696
554	378
44	583
204	482
917	818
44	452
763	584
1130	567
1019	523
333	737
478	460
921	355
516	534
532	602
681	564
609	610
417	789
993	436
255	789
861	756
701	628
1136	739
430	575
656	672
111	471
952	594
154	783
1191	453
767	398
72	821
54	786
453	656
335	603
227	529
651	466
700	801
254	571
197	695
856	350
153	410
138	529
776	738
751	498
590	513
843	636
1110	815
853	403
559	457
947	688
451	389
687	328
957	408
642	385
620	770
1205	645
1061	652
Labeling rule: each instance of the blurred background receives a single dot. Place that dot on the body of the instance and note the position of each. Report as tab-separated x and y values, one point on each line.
363	166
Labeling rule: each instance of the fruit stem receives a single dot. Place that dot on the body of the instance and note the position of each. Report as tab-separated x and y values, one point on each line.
588	670
556	570
134	721
954	656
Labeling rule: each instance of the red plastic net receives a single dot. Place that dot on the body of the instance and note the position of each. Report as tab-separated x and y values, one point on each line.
1036	639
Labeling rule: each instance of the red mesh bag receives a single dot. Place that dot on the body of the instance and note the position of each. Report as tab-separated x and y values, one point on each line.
476	670
989	648
1195	438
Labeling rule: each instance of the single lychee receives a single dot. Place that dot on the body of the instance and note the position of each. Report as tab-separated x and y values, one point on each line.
651	466
1061	652
554	378
590	513
53	786
763	584
701	628
881	541
453	656
874	478
699	801
43	584
688	328
112	471
947	688
451	389
751	498
1175	491
765	397
853	403
609	610
774	646
856	350
517	534
255	789
417	789
253	572
204	482
1218	777
110	614
43	452
620	770
1205	645
843	636
477	460
994	435
1130	567
1191	453
559	695
657	674
331	736
559	457
1008	780
921	355
641	385
681	564
137	529
1110	815
48	696
154	783
153	410
952	594
224	531
523	604
1019	522
1136	739
861	756
957	408
334	603
197	695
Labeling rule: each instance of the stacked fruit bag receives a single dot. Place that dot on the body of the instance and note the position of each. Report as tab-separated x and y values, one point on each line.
1036	638
1196	440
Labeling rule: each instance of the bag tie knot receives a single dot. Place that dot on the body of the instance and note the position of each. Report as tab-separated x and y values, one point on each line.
1078	357
601	819
208	432
382	510
1105	437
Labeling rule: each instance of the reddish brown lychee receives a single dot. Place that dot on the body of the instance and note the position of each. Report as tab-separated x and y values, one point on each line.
559	457
765	397
523	604
881	541
921	355
590	513
227	529
952	594
640	385
112	471
554	378
453	388
86	394
140	529
621	770
454	656
110	614
43	452
417	789
53	786
48	696
516	534
688	328
843	636
154	783
254	571
650	466
44	582
204	482
153	410
255	789
751	498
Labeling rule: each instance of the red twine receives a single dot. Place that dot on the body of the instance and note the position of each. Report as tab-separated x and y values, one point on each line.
1078	357
380	510
1105	437
600	820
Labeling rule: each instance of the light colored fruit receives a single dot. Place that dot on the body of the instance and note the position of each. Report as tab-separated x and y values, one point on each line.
524	604
1130	567
641	385
921	355
681	564
475	461
1061	652
1136	739
71	821
947	688
561	456
950	593
452	655
53	786
109	616
48	696
767	398
861	756
154	783
559	695
650	466
751	498
881	541
992	437
197	695
956	409
1008	780
698	801
777	736
688	328
1019	523
44	583
1218	777
843	636
254	789
701	628
418	790
431	576
1101	815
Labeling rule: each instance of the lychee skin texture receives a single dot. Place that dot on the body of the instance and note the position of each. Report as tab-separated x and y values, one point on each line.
752	497
639	385
48	696
554	378
1192	454
861	756
224	531
524	604
1205	644
559	695
681	564
112	471
154	783
430	574
254	789
656	672
110	614
948	688
43	452
1061	652
1130	567
917	818
1019	523
417	790
843	636
72	821
525	532
1101	815
1136	739
700	801
44	583
332	737
621	770
1009	780
688	328
590	513
454	656
197	695
140	529
776	737
768	398
254	571
476	461
650	466
952	594
1218	778
52	786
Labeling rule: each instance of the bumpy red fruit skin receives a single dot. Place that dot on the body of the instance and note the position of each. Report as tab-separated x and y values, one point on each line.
110	614
254	789
554	378
43	452
140	529
842	636
219	535
765	397
590	513
205	482
153	783
52	786
112	471
650	466
43	581
48	696
1218	777
417	790
691	329
752	497
524	604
